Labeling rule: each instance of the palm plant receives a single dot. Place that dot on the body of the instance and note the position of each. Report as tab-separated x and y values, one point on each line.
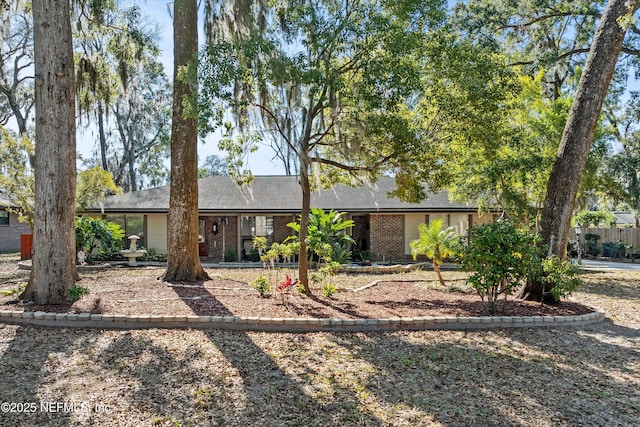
436	244
327	235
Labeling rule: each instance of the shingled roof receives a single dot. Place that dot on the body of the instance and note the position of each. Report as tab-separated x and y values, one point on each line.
280	194
6	202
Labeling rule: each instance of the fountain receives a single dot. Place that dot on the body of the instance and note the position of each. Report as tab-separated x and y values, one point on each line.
133	252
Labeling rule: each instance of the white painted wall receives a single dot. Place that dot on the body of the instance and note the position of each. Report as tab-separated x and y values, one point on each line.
157	232
484	219
411	222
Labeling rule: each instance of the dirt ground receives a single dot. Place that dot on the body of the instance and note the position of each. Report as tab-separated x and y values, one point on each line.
586	376
137	291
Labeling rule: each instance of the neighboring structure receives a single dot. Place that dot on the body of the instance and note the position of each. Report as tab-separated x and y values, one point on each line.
10	227
625	219
230	215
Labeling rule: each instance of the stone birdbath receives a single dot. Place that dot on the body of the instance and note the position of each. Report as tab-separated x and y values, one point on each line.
133	252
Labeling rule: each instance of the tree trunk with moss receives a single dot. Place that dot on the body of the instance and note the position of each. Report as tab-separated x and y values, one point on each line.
183	260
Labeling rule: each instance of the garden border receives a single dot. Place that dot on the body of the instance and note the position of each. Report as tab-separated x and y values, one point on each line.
239	323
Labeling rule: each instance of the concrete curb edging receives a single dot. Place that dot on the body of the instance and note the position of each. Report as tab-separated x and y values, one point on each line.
239	323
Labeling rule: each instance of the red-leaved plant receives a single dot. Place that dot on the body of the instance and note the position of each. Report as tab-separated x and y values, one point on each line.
285	287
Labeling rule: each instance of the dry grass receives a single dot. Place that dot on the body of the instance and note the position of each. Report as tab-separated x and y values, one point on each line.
527	377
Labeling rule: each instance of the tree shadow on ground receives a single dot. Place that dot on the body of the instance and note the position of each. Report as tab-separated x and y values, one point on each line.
528	377
619	287
27	364
273	397
483	377
207	303
163	383
344	307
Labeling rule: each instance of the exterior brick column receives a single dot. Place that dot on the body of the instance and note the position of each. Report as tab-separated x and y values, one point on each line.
280	229
387	237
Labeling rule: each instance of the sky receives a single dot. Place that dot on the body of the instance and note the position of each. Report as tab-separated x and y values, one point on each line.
259	163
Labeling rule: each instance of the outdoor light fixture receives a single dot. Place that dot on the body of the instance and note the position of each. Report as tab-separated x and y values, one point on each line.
578	230
214	228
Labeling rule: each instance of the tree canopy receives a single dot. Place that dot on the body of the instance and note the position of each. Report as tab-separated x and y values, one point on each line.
330	81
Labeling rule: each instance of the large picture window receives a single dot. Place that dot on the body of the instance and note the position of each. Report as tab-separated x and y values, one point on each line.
257	226
254	226
131	224
4	217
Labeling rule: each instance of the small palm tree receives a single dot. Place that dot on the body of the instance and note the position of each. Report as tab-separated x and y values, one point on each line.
437	244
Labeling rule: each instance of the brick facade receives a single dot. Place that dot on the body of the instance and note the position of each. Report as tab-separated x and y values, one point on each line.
387	237
280	229
383	235
215	246
10	234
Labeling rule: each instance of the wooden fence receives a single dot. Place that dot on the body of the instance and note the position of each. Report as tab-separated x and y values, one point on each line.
628	236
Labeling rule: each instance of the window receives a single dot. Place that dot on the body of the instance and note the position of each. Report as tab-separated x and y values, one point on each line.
131	224
254	226
4	217
257	226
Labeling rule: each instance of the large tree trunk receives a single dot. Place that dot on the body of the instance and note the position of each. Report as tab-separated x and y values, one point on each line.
54	267
577	137
183	261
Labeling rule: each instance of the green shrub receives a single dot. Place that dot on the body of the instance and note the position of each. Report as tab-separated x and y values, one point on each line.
96	233
328	289
560	276
260	244
262	285
591	245
341	254
290	250
330	269
365	255
614	249
327	235
500	257
316	278
76	292
109	254
230	256
253	255
153	255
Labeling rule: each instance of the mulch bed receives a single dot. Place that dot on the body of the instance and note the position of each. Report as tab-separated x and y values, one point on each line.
138	291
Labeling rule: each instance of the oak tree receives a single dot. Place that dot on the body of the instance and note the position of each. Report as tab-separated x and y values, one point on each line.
330	80
577	137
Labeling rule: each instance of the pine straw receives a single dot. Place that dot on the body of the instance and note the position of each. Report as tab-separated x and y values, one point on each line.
523	377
